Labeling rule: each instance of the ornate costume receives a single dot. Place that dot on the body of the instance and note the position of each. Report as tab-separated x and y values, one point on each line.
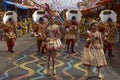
39	28
41	37
10	36
24	26
19	29
70	36
10	18
108	17
71	24
35	28
52	41
110	39
93	53
29	24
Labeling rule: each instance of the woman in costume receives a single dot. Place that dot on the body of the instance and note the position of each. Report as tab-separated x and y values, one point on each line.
93	54
53	44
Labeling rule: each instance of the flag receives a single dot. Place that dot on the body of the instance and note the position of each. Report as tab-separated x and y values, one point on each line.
92	3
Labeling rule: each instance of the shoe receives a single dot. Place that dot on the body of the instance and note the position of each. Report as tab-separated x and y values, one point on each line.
8	51
87	74
66	51
110	55
53	72
100	76
11	51
48	72
38	51
43	52
73	51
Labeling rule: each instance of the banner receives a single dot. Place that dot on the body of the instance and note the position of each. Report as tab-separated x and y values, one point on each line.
60	4
91	3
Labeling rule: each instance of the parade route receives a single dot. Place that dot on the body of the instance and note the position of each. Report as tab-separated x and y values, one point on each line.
27	64
59	39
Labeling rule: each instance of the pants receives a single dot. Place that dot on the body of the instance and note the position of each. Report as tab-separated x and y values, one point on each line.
40	45
109	47
72	42
11	44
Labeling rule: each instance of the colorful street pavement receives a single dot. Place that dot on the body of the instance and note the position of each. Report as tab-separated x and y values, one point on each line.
30	65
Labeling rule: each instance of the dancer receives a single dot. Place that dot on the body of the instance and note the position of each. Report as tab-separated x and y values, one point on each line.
10	19
110	40
70	36
109	18
53	44
10	34
73	18
41	35
93	54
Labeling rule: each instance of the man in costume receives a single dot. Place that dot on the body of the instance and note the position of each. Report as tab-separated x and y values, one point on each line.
1	31
10	29
29	24
19	29
108	17
71	28
71	35
39	28
24	25
110	39
41	35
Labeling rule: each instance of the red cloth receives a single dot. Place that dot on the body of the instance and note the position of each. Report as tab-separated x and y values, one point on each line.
11	44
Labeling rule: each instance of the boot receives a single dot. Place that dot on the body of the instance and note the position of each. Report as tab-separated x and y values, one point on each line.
110	54
11	46
67	49
100	75
11	49
48	72
54	71
72	46
88	73
72	49
38	50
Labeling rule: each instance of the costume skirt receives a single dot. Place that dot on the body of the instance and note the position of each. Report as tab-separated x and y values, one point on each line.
54	44
94	57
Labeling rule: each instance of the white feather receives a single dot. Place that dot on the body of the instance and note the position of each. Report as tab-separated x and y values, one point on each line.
6	17
70	15
104	18
36	16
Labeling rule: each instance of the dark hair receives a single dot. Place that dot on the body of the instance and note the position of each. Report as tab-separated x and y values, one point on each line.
73	18
90	26
41	19
93	24
10	19
109	20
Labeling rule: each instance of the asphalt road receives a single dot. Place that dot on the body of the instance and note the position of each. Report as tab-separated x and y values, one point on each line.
27	64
